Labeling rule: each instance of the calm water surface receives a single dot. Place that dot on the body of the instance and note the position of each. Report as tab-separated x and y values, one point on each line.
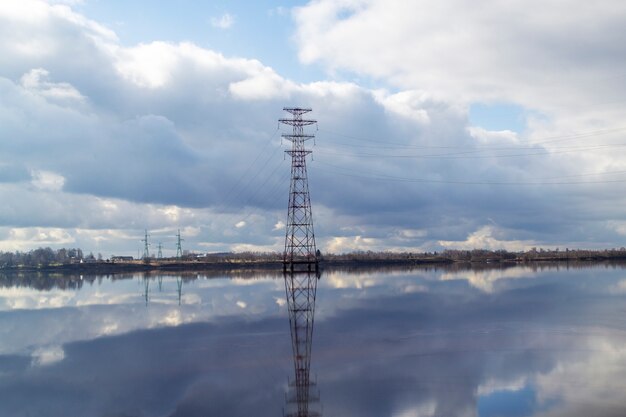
488	343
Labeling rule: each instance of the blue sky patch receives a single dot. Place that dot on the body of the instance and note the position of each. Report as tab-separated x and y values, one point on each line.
507	403
501	116
261	30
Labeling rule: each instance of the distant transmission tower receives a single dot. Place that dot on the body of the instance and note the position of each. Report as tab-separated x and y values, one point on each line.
160	252
146	251
300	252
179	247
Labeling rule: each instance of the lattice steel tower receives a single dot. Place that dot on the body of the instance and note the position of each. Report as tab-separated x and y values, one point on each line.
300	252
179	246
146	250
300	266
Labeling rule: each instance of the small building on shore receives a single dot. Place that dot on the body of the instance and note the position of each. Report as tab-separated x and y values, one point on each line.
121	258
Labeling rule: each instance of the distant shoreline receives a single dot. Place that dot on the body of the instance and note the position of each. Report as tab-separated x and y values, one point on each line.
276	265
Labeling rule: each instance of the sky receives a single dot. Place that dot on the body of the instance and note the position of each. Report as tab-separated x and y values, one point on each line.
441	125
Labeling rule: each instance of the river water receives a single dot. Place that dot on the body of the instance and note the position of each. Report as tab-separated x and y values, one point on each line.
484	342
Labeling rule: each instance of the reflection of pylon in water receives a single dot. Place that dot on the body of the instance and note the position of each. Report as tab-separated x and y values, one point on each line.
145	280
300	252
146	283
303	397
179	283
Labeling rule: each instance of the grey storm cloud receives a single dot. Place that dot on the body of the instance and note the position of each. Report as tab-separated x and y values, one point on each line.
11	173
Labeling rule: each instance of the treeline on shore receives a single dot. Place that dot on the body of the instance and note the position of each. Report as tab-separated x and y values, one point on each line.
484	255
450	255
47	257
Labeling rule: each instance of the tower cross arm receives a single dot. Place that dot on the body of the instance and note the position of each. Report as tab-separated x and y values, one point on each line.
299	110
298	122
296	137
299	152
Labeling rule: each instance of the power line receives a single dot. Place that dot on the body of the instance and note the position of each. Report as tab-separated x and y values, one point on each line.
547	181
548	139
271	194
476	148
260	189
227	200
464	155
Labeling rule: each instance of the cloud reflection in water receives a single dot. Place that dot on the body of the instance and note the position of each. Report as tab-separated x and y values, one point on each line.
539	343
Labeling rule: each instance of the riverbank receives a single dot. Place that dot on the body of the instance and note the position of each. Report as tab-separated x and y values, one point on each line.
333	262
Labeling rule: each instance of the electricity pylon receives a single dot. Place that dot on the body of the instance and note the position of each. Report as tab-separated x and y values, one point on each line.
160	252
146	251
300	252
300	266
179	247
